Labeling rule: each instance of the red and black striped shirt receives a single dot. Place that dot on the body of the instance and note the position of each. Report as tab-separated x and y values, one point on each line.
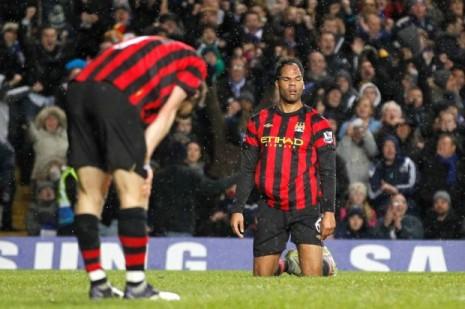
147	68
289	146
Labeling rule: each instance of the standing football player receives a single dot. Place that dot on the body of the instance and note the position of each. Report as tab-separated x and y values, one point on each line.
119	109
289	152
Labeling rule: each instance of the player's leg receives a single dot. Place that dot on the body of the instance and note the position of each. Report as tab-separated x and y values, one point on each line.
291	263
132	223
125	149
311	259
93	186
86	157
132	230
281	268
305	234
264	266
270	240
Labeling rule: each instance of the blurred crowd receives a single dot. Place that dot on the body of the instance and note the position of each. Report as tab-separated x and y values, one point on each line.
388	74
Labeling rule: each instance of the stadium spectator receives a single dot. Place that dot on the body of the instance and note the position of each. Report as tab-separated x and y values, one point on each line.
459	74
334	104
45	68
327	46
364	110
49	137
316	74
171	25
122	19
392	174
396	223
236	82
358	149
372	31
210	14
183	130
210	38
55	15
73	68
443	170
181	134
29	23
67	186
456	8
366	78
41	218
358	198
354	226
194	157
441	222
409	139
176	192
336	26
12	59
370	91
417	19
391	115
253	29
92	21
446	122
7	185
215	65
447	46
349	95
416	111
355	55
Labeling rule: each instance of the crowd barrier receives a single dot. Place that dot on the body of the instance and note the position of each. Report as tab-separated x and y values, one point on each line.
200	254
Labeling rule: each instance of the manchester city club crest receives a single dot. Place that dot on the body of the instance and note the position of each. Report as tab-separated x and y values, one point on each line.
299	127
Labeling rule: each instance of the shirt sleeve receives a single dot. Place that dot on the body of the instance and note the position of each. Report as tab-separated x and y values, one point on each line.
249	160
251	135
191	75
325	144
323	136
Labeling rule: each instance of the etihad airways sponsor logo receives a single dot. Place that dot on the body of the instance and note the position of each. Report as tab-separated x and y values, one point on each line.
286	142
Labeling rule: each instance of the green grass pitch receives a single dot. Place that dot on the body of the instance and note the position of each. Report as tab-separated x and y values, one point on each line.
238	289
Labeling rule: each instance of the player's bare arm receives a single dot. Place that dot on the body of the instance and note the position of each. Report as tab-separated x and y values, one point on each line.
157	131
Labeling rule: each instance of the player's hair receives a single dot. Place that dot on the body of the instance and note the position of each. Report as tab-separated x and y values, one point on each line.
287	61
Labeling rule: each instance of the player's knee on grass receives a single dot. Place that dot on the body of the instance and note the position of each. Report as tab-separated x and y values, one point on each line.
265	266
292	263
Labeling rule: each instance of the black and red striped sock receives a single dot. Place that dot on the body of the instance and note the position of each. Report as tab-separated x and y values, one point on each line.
86	229
132	232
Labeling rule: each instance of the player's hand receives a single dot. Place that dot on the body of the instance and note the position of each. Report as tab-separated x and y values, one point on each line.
237	224
328	224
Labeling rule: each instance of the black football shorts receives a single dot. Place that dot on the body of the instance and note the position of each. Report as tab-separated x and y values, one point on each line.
274	227
104	129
